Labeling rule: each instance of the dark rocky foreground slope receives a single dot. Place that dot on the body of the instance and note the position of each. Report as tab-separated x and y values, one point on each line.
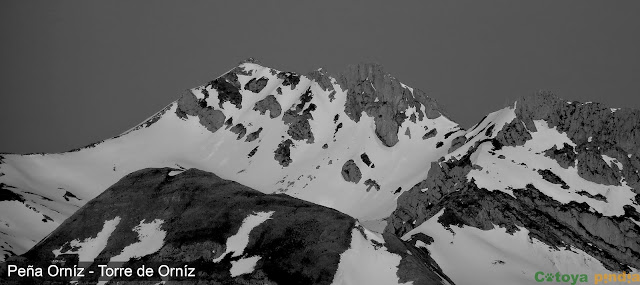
299	242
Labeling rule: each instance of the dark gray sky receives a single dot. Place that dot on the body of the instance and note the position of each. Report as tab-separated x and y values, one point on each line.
75	72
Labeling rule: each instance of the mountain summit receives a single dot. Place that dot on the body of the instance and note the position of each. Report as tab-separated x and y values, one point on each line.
544	185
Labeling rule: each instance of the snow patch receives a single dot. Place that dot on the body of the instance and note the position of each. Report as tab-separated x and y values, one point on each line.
610	161
243	266
238	242
151	239
89	248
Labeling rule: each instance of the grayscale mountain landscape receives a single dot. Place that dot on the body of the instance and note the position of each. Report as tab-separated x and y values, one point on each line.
265	176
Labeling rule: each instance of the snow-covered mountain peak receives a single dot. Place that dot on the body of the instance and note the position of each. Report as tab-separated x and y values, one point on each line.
318	137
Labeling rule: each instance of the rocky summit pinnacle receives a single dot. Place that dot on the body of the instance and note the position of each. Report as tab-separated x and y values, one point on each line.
275	177
383	97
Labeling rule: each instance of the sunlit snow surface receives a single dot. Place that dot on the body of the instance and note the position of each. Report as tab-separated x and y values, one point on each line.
150	240
519	168
472	256
362	263
243	266
238	242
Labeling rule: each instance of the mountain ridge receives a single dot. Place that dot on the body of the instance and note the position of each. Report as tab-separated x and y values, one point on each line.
555	178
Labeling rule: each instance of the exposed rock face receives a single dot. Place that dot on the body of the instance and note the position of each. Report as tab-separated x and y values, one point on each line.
457	143
365	158
197	215
592	167
298	118
240	130
586	123
256	85
370	183
322	78
351	172
252	152
416	265
300	243
552	178
8	195
597	131
431	133
228	88
253	136
283	153
289	79
209	117
513	134
68	195
612	240
383	98
270	104
566	156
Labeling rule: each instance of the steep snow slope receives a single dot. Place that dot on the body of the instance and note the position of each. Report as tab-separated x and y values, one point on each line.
543	185
352	143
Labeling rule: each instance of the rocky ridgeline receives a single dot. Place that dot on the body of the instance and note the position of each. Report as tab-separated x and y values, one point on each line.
300	242
596	131
370	90
384	98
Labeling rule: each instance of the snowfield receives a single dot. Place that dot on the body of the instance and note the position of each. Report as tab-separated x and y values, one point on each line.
472	256
363	263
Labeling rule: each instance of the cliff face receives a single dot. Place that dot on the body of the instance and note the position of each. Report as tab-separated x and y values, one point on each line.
572	179
596	130
384	98
370	90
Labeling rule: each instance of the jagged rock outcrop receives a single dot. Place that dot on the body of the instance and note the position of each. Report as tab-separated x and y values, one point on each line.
513	134
552	178
289	79
365	158
370	183
282	154
254	135
322	78
565	156
613	240
351	172
297	118
256	85
270	104
384	98
239	129
584	123
431	133
210	118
